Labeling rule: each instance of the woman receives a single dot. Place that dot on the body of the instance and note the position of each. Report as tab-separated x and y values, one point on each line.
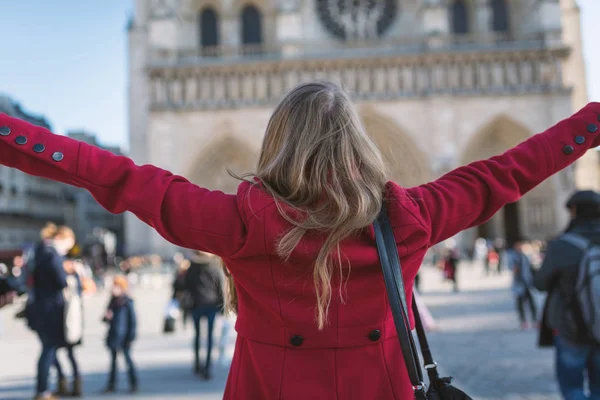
46	311
313	318
204	285
73	335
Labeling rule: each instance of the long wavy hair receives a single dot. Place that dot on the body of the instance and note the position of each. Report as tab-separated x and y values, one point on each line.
326	174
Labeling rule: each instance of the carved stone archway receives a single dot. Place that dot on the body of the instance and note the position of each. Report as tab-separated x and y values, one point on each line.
533	216
406	163
210	168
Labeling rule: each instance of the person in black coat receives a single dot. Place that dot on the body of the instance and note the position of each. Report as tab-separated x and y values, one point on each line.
45	311
204	284
121	318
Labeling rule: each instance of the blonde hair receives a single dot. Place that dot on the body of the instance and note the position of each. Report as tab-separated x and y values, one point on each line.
325	173
121	281
230	305
51	231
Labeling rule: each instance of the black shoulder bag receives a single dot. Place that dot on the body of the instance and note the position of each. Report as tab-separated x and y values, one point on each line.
439	388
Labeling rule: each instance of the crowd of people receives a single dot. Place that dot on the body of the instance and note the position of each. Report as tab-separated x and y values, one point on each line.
55	284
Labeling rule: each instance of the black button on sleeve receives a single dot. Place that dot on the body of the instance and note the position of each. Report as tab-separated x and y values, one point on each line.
4	131
21	140
592	128
374	335
568	149
296	340
38	147
579	139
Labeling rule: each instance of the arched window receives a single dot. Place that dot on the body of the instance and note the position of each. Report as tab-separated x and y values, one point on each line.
209	28
460	17
499	16
251	26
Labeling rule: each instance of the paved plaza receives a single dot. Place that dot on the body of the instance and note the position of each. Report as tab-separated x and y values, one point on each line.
478	342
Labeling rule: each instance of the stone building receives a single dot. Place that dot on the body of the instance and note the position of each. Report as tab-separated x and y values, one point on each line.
28	202
439	83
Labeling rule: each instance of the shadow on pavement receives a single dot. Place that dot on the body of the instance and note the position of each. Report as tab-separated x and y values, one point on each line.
155	382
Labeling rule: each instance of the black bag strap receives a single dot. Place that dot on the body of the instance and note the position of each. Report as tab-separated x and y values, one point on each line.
392	275
430	364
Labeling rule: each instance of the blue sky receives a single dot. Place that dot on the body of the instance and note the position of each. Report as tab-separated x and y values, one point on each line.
67	60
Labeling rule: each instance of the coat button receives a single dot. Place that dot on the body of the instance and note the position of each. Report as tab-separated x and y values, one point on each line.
374	335
21	140
4	131
296	340
579	139
57	156
592	128
568	149
38	147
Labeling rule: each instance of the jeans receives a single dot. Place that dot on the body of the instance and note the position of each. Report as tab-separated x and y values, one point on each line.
209	313
59	369
45	361
112	380
571	363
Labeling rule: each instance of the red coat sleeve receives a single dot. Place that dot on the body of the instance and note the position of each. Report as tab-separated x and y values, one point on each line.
470	195
180	211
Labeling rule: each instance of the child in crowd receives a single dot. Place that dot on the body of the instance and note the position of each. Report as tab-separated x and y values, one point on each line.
121	333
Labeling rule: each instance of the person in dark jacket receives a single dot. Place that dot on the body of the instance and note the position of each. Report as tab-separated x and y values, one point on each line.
204	283
46	308
121	318
179	293
558	275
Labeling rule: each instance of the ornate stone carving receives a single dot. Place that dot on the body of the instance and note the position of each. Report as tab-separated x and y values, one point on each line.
357	19
164	8
259	83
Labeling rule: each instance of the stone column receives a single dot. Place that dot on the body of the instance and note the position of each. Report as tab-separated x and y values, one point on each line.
288	29
481	20
436	22
137	233
587	168
550	22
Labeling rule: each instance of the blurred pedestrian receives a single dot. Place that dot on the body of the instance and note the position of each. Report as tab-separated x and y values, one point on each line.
522	269
204	283
121	317
451	261
45	313
180	294
563	324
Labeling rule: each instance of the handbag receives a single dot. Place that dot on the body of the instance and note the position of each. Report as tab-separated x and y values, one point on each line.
171	315
73	312
439	388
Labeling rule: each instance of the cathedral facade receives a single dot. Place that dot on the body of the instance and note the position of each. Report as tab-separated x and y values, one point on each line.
438	83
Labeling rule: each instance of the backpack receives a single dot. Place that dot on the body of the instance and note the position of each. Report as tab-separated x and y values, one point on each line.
586	299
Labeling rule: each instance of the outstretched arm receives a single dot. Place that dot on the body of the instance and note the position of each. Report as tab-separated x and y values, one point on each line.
470	195
181	212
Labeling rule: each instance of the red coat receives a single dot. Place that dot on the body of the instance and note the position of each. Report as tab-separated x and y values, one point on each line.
280	354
